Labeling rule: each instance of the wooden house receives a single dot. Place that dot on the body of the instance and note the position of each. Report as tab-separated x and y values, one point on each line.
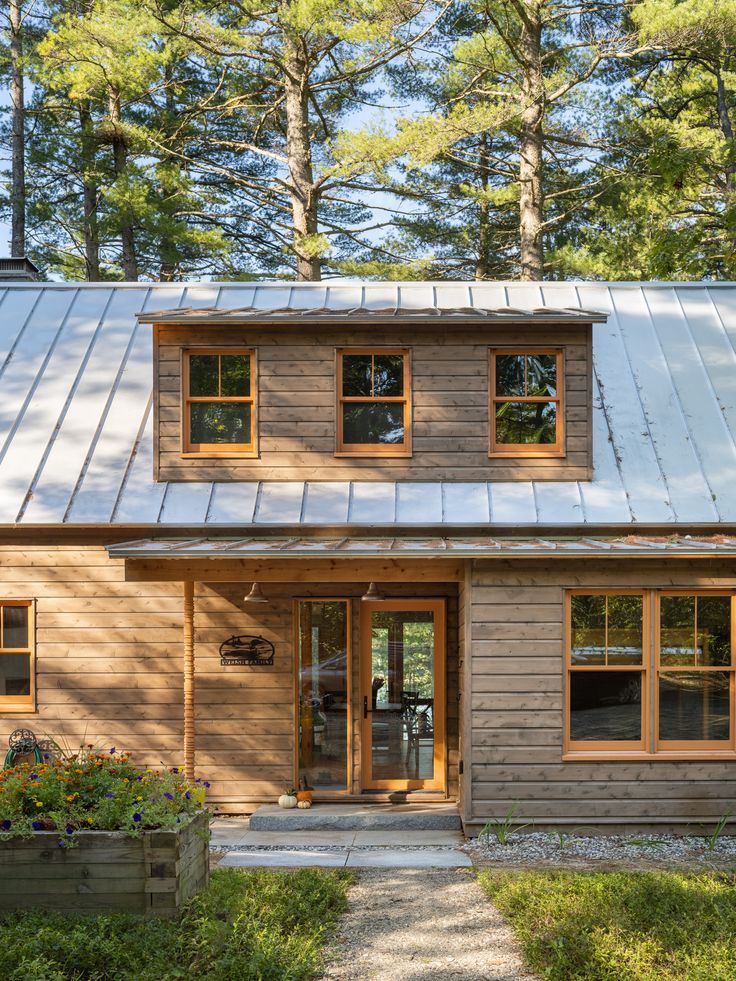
411	542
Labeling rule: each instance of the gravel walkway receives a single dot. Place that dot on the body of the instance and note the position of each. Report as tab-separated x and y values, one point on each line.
410	924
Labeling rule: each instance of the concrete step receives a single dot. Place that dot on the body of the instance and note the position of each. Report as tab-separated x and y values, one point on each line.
358	817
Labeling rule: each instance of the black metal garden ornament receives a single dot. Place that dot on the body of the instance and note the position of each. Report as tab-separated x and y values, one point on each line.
22	742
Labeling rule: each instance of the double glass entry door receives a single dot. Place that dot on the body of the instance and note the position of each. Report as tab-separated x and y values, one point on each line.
402	648
399	702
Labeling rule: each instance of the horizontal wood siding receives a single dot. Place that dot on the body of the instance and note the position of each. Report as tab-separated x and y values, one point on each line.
109	667
517	706
296	395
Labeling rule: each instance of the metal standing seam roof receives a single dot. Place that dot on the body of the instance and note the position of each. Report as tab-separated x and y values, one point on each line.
362	547
76	409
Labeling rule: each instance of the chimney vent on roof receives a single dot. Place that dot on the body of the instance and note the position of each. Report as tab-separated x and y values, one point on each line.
18	269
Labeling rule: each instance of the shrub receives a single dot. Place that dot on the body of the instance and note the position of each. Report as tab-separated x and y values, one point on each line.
93	791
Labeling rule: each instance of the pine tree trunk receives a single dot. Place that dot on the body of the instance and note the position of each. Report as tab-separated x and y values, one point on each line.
299	152
167	254
91	197
120	159
483	263
18	138
531	196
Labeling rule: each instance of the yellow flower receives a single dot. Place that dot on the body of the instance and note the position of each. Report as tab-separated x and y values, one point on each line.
39	804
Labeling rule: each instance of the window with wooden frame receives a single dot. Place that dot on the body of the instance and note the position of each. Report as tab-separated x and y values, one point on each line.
527	405
219	402
17	681
373	402
651	672
607	677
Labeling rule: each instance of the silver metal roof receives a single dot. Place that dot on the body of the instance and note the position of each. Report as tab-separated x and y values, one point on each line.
76	420
354	547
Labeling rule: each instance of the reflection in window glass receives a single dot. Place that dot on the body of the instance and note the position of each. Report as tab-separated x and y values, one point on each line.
220	422
235	375
373	422
510	378
15	674
15	626
357	375
388	375
694	706
526	423
541	374
204	375
695	631
588	626
323	694
605	706
625	629
714	630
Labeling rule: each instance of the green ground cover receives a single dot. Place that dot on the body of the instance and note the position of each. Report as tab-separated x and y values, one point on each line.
627	926
246	925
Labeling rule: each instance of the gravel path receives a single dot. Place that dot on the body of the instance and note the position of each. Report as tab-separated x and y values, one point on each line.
412	924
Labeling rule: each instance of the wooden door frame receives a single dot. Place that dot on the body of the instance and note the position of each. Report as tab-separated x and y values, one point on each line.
439	608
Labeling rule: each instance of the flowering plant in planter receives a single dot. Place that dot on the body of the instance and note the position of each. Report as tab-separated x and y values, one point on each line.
93	791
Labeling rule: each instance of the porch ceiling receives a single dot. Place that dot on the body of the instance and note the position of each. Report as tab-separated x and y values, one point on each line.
279	547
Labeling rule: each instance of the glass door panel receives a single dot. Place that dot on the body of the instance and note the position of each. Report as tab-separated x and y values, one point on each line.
403	694
324	694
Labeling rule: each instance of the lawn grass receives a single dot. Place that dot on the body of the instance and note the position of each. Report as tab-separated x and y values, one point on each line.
627	926
247	925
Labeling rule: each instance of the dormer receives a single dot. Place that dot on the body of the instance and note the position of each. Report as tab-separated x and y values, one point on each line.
324	394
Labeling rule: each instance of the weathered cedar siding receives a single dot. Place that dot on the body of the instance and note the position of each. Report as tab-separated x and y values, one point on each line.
296	403
108	668
516	731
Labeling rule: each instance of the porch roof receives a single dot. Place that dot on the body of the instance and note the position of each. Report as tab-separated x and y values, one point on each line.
481	547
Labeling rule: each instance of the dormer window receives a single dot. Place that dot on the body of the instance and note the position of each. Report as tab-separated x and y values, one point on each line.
527	410
219	411
373	403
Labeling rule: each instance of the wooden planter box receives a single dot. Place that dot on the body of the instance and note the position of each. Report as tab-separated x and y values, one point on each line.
107	871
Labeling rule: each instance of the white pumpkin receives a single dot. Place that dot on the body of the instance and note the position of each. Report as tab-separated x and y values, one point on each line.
304	804
287	801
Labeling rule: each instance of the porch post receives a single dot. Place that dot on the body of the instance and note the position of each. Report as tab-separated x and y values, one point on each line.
189	679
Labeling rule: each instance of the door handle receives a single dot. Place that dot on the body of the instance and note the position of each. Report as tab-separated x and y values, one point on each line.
365	707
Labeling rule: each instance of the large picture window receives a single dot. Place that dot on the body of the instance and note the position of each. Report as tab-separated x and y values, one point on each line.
219	402
17	683
663	690
527	412
373	403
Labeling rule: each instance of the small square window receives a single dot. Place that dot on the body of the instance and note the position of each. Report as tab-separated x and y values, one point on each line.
526	406
373	404
219	402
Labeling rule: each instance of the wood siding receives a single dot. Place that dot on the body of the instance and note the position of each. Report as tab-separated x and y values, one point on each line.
296	393
109	668
514	732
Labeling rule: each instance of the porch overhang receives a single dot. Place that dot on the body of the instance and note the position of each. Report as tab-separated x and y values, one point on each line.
282	558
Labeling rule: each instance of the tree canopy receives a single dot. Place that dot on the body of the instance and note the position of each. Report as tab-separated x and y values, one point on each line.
471	139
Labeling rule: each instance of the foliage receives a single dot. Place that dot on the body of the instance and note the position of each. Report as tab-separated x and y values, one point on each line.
254	926
504	827
621	926
93	791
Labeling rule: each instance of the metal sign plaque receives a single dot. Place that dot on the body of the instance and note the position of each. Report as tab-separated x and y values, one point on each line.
246	650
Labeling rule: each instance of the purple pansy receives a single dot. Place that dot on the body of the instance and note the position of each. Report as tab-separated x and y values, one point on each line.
109	794
168	796
188	795
36	825
6	825
206	783
175	769
69	829
136	817
33	776
113	751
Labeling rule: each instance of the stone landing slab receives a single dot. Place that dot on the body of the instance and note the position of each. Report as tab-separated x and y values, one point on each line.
358	817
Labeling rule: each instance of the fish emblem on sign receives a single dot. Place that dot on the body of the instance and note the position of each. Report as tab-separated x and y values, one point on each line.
246	650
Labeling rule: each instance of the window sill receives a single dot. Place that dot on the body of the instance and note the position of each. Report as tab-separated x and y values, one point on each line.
670	756
226	455
373	454
530	455
28	709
